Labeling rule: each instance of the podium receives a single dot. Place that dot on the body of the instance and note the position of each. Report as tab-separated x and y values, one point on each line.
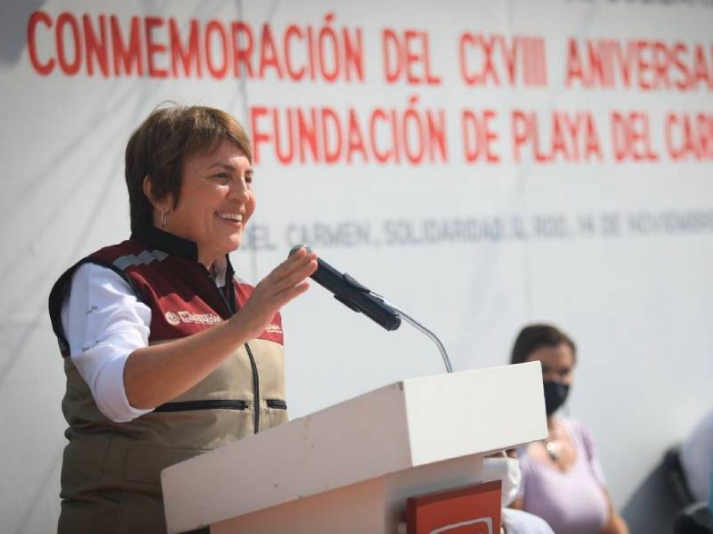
350	468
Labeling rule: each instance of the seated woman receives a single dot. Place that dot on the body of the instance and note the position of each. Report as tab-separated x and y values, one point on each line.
562	480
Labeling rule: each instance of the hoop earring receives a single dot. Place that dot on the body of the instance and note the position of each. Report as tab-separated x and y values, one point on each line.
163	219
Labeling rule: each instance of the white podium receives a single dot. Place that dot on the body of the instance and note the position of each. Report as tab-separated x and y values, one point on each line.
349	468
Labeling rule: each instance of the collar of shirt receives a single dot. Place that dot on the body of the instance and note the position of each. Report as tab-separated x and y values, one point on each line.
185	248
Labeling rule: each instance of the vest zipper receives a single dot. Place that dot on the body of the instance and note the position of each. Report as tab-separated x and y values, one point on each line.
186	406
253	365
256	389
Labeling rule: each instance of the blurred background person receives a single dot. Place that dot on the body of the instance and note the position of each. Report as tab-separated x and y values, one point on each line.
562	479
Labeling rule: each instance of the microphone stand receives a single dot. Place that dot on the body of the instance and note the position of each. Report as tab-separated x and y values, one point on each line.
349	281
418	326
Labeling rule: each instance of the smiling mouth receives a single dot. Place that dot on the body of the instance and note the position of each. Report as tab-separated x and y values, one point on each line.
230	217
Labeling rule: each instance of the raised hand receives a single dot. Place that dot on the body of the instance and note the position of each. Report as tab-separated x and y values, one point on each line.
284	283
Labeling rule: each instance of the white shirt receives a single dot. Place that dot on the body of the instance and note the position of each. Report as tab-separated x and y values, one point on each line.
104	322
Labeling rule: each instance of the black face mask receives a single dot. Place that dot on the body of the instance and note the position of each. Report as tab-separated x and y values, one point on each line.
555	395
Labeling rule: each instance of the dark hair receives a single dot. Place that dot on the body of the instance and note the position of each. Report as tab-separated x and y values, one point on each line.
536	336
159	146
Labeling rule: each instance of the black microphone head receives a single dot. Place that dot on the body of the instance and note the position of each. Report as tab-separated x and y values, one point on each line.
297	247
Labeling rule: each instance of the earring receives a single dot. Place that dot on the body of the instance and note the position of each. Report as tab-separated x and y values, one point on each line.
163	219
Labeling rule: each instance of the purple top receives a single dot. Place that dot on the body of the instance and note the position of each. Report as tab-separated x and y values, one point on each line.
571	502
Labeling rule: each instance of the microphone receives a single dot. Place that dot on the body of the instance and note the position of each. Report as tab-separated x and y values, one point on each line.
352	294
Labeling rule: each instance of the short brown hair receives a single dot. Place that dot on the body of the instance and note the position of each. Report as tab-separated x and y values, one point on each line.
158	147
536	336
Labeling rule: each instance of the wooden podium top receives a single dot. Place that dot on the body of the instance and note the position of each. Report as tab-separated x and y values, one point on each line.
403	425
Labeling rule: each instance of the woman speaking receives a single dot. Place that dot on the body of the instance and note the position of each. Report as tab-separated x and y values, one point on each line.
166	353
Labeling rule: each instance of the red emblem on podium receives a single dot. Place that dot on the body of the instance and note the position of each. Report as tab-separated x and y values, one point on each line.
472	509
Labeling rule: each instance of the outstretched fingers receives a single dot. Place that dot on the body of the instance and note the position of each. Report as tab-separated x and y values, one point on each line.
294	269
297	269
287	280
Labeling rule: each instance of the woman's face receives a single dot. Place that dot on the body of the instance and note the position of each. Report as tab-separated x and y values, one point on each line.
557	363
216	201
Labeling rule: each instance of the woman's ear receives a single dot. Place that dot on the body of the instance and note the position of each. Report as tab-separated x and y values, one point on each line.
162	205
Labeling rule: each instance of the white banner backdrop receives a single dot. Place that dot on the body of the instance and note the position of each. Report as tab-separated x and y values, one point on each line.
481	164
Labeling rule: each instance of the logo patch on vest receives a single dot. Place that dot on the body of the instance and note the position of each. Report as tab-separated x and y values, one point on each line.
273	329
175	318
172	318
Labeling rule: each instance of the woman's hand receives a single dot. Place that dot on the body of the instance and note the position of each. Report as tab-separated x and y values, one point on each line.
284	283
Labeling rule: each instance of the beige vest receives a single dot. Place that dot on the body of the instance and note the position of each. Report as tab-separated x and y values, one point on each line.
111	471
